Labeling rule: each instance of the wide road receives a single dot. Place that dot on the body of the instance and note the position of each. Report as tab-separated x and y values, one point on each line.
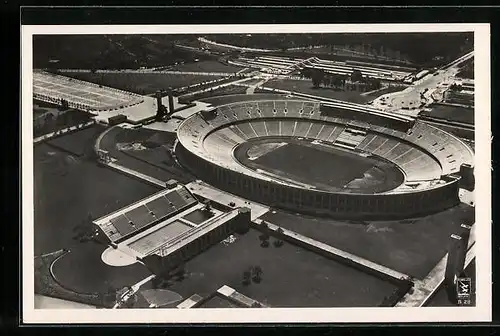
423	92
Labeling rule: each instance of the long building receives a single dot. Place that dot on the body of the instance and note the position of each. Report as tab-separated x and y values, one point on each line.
169	227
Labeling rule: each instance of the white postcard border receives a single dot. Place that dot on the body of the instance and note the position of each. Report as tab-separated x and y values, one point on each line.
480	313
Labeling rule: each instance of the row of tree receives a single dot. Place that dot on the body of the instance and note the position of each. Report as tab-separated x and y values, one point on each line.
456	87
322	78
253	274
419	48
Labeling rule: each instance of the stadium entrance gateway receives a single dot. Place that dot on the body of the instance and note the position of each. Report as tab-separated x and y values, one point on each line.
170	227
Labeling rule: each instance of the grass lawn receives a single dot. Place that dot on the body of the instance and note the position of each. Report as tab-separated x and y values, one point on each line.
451	113
305	86
292	276
61	121
154	161
142	83
46	285
68	188
83	271
206	66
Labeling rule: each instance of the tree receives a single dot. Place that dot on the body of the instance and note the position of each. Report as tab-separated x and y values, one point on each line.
247	276
264	237
337	81
356	76
257	274
317	77
377	83
278	243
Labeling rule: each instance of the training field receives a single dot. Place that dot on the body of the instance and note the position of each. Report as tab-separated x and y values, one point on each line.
152	159
83	271
142	83
305	86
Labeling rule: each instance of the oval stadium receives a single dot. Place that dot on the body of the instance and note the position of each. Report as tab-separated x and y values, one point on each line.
339	159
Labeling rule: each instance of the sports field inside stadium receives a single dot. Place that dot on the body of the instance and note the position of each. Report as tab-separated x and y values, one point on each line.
322	166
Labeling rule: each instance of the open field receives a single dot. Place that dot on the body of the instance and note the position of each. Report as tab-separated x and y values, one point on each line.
451	113
69	189
142	83
153	160
205	66
47	286
81	143
307	88
83	271
292	276
410	246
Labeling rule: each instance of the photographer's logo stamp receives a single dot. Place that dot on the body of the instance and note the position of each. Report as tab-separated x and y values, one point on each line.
464	289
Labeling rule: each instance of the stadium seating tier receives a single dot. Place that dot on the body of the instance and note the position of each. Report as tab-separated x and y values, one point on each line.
424	152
